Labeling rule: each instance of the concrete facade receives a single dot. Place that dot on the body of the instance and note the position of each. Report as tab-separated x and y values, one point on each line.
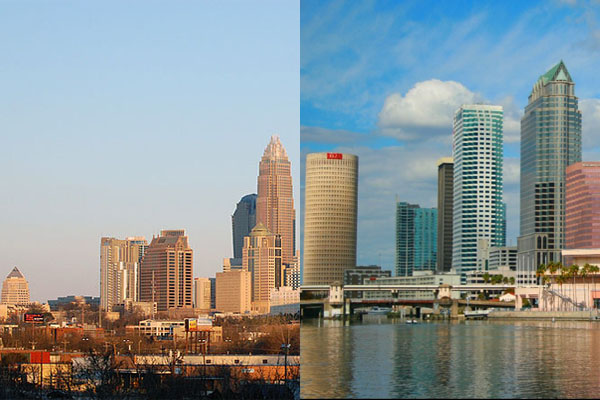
330	212
234	292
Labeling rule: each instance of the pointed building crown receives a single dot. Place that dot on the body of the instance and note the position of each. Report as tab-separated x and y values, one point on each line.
260	230
275	149
15	273
557	73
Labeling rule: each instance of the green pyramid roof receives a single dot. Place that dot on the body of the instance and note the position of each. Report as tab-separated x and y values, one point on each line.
556	72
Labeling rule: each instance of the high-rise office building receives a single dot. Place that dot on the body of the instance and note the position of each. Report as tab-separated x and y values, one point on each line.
166	271
416	238
233	291
330	207
119	269
582	206
444	207
202	293
477	202
15	289
550	142
262	257
242	222
275	200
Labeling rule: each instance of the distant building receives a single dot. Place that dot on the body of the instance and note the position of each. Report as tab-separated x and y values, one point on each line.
234	292
329	236
262	257
478	217
503	257
60	302
358	274
15	289
213	293
275	199
202	293
284	296
418	278
242	222
478	277
166	271
582	213
292	275
416	239
550	142
444	222
119	269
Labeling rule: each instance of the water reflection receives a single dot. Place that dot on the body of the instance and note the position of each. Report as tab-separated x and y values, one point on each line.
382	358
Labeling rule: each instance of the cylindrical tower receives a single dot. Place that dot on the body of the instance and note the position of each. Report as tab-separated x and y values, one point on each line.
330	205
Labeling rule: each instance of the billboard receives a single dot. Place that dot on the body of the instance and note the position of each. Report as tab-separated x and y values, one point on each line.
334	156
197	324
34	318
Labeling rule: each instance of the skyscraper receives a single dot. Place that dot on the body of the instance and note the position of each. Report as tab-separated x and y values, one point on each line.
15	289
119	269
166	271
242	222
275	201
444	224
416	238
202	293
582	206
262	257
477	200
550	142
330	207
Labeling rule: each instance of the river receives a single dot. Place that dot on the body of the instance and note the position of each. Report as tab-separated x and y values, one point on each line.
383	358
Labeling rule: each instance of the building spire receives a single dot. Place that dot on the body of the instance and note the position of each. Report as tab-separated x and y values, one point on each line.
15	273
275	149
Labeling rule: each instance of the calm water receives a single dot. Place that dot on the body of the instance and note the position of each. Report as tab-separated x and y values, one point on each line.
381	358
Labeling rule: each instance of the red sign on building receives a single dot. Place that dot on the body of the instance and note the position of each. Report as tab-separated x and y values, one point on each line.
30	317
334	156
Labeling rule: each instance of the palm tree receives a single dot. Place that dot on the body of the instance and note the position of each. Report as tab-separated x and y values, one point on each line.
574	272
584	272
486	277
594	269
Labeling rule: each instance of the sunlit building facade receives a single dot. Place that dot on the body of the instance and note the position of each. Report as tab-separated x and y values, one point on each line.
330	210
550	142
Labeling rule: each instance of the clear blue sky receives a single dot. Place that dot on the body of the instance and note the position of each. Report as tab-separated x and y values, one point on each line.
382	79
125	118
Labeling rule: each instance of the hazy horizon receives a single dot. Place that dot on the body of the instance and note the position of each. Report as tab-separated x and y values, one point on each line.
124	119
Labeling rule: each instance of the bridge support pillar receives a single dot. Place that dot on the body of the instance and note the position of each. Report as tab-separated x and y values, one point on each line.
454	309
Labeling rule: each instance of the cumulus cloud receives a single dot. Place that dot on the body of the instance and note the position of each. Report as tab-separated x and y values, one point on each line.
426	109
590	131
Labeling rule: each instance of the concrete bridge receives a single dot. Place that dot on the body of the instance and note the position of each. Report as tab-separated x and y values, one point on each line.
331	300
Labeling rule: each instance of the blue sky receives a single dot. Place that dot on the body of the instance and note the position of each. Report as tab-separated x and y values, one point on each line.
125	118
382	79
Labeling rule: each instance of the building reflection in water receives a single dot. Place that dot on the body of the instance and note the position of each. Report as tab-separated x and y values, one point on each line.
381	358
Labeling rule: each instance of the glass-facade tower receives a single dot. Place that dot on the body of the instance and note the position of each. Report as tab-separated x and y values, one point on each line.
478	212
416	238
550	142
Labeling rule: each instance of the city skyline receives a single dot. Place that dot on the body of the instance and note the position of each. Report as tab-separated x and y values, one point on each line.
116	128
383	80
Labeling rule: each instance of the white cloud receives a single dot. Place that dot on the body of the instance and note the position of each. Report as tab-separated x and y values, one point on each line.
427	108
590	132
